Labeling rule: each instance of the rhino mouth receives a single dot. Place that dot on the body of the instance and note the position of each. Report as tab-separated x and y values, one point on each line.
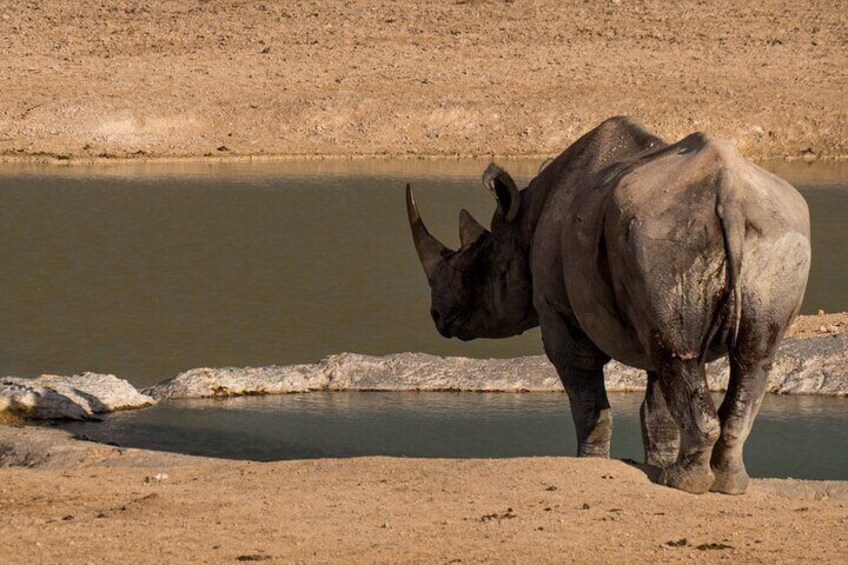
450	330
453	331
445	324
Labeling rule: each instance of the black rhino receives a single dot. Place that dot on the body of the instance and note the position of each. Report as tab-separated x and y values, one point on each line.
661	256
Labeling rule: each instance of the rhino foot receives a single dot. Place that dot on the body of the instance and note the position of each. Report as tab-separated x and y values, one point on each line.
660	458
594	450
729	481
696	479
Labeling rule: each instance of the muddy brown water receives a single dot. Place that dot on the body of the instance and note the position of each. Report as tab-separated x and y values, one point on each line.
144	270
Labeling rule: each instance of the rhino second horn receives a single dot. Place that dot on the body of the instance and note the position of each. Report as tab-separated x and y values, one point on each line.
470	229
430	249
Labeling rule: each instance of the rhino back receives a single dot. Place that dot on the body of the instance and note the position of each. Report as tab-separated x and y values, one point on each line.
651	260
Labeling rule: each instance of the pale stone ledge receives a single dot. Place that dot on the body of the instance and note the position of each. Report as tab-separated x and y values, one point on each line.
817	365
76	397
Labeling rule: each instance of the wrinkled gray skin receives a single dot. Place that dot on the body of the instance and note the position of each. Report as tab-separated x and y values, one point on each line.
661	256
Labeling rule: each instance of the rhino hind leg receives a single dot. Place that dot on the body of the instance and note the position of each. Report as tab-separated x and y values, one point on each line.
660	434
738	410
750	364
684	387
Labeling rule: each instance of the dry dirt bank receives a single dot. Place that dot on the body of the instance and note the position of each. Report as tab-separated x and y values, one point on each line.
96	504
189	78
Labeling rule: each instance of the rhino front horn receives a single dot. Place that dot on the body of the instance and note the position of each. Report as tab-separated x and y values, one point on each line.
430	250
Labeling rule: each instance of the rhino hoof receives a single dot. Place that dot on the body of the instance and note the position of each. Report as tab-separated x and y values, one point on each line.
660	459
730	482
589	450
695	480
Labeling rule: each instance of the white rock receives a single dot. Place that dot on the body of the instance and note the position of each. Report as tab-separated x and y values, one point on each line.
423	372
75	397
231	381
809	366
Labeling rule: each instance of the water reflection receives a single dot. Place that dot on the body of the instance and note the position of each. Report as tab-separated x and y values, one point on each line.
793	436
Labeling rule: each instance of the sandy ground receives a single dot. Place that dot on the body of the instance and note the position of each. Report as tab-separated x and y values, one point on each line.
93	78
96	504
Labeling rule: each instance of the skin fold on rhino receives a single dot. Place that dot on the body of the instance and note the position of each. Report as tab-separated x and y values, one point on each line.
661	256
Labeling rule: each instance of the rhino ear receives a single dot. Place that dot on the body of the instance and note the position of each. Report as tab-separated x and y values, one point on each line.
505	190
470	229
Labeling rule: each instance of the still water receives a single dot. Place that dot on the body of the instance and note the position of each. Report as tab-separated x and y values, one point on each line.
802	437
144	270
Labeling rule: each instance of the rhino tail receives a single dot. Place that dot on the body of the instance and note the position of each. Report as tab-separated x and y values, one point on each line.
732	220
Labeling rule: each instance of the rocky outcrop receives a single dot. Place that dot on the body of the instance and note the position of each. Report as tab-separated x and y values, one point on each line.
352	371
423	372
242	381
817	365
803	366
76	397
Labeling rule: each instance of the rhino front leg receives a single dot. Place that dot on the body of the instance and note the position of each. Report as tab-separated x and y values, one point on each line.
660	435
684	387
590	410
580	366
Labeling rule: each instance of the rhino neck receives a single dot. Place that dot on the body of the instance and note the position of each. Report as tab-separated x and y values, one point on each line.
533	201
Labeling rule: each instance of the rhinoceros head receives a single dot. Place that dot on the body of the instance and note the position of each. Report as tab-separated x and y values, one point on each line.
484	288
